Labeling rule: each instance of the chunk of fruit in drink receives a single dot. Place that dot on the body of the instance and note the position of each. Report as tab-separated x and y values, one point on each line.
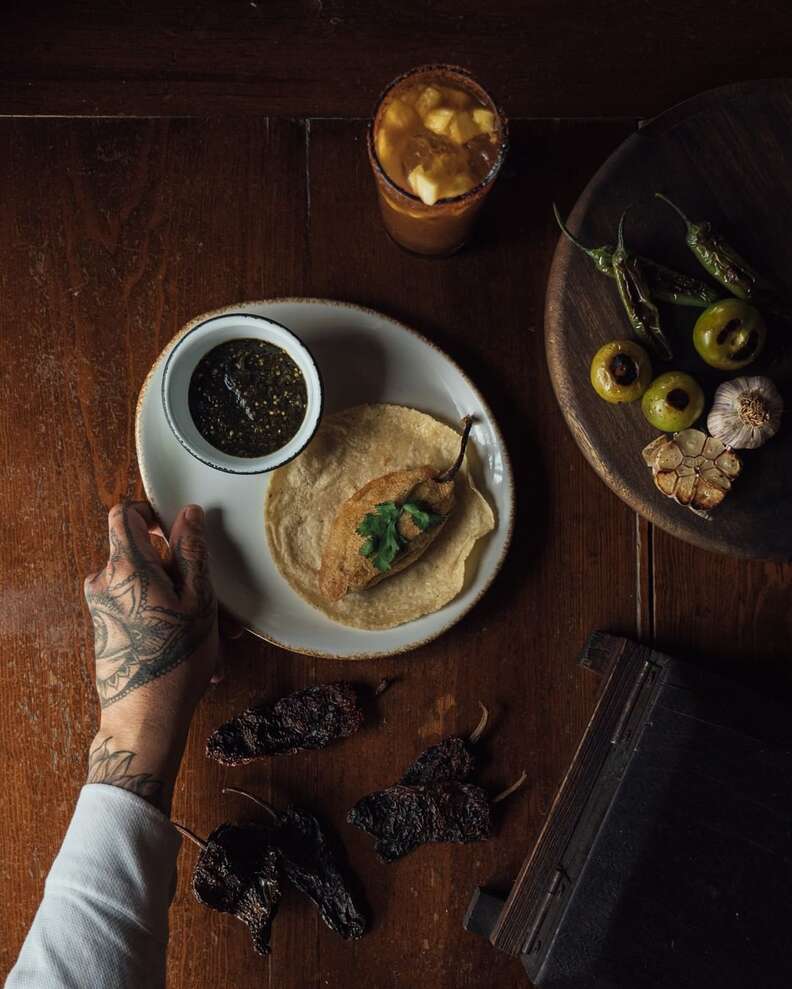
429	98
400	116
462	127
438	120
423	185
484	120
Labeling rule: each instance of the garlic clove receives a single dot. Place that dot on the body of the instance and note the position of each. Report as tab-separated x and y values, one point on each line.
666	481
715	477
669	458
729	463
685	489
690	442
713	448
651	450
707	496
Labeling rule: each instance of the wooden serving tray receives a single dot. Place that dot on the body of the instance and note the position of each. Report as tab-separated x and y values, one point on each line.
725	156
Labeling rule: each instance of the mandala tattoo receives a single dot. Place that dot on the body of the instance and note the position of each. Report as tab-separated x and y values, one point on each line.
107	766
137	640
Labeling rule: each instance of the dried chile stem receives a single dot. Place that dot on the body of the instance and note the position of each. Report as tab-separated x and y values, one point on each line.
189	834
510	789
449	474
384	684
480	728
256	800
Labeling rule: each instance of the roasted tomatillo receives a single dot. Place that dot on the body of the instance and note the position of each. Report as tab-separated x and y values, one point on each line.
673	401
620	371
729	334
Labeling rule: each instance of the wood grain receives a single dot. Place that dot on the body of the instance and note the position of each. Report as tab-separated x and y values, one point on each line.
726	159
332	57
116	234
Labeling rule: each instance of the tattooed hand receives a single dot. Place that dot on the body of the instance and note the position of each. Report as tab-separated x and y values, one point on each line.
155	636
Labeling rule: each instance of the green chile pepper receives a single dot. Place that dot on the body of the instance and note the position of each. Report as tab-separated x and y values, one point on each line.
636	297
665	284
719	258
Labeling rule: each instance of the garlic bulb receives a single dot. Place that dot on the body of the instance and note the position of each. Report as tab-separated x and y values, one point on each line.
746	412
694	469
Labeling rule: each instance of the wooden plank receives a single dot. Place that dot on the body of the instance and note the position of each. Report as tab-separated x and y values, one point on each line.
516	651
731	616
331	58
115	234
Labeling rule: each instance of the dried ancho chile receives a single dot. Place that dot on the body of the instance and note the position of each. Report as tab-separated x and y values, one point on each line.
307	719
433	802
449	760
240	868
310	864
238	873
403	817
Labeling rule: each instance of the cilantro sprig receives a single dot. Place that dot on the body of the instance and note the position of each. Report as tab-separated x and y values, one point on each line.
380	529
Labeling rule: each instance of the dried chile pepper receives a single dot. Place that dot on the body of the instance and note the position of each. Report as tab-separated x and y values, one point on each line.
726	266
307	719
433	802
401	818
634	292
450	759
665	284
310	865
237	872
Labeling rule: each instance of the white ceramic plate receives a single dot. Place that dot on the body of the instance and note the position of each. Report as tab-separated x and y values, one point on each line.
362	356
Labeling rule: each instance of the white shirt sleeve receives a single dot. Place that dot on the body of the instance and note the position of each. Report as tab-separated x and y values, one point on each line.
103	920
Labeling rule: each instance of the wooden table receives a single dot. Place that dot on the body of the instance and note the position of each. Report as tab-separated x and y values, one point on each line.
156	163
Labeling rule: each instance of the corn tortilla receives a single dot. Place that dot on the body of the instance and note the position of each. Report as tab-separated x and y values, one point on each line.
350	449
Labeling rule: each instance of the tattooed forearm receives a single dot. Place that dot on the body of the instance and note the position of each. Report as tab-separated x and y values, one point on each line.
106	765
144	627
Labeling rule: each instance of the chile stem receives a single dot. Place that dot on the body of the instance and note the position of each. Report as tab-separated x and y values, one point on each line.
189	834
256	800
449	474
480	728
510	789
673	205
568	233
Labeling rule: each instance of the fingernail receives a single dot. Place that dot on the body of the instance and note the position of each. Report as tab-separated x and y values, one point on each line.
194	514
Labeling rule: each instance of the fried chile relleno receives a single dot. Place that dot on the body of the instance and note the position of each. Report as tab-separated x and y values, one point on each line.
307	719
387	525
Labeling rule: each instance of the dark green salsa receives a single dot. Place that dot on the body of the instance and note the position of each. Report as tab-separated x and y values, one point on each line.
247	397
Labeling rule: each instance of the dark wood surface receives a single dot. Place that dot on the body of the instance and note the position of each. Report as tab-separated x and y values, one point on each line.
726	157
331	57
115	232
